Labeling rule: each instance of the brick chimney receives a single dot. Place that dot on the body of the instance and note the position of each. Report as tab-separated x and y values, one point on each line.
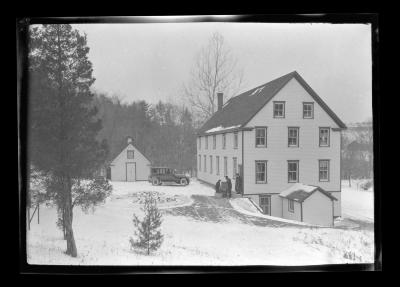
220	100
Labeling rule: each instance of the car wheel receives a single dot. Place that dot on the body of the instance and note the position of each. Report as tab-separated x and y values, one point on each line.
183	181
155	181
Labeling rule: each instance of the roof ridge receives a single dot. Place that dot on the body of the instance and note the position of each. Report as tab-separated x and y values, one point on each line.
262	85
240	109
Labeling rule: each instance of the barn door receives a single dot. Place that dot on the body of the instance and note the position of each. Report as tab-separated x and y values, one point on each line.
130	171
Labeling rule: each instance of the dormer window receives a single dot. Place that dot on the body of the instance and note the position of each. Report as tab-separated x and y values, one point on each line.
308	110
279	109
130	154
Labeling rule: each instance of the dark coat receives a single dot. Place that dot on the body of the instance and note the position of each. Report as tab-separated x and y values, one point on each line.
217	185
238	184
228	180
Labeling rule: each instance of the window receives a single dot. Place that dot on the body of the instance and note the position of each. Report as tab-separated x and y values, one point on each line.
205	163
211	164
223	141
199	162
293	137
130	154
290	205
261	137
324	170
261	171
234	167
324	136
308	110
293	171
199	142
206	142
225	166
279	109
265	204
217	164
235	140
214	141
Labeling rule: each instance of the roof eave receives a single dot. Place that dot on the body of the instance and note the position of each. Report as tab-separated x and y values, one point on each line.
224	131
320	101
339	129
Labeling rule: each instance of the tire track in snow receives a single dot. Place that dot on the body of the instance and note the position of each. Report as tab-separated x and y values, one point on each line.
212	209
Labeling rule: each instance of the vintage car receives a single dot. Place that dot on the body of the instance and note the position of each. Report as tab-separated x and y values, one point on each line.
158	175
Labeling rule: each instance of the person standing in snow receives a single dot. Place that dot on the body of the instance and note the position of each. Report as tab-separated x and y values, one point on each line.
229	182
238	184
217	185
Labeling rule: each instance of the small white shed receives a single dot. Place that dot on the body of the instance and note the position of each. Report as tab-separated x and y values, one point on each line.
130	164
308	203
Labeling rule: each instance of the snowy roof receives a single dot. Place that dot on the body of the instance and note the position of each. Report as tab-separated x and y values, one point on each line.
240	109
221	128
300	192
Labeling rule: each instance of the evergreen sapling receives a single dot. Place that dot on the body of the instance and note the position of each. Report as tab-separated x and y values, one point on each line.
148	234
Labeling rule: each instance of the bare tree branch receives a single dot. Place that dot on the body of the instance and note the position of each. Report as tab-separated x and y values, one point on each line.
215	70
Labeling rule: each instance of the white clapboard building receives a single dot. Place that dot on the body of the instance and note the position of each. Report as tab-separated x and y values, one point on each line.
276	135
130	164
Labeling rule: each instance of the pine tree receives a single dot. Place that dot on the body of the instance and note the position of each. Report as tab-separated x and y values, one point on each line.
62	122
148	234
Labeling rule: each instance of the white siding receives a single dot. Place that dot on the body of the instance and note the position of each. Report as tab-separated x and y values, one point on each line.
230	152
118	165
336	204
277	152
295	215
317	209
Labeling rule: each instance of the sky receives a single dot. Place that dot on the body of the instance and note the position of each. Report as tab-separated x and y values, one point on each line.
151	61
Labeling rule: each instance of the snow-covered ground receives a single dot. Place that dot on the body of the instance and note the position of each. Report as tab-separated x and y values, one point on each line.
202	230
356	202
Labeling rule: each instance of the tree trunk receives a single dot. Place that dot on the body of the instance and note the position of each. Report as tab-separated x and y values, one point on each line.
63	220
349	179
71	246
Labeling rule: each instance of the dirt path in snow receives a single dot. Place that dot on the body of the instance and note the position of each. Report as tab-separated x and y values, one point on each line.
212	209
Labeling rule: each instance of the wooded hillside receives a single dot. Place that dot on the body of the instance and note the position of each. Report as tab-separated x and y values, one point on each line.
357	151
164	132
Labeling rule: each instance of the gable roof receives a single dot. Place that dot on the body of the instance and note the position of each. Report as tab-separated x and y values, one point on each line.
239	110
121	148
300	192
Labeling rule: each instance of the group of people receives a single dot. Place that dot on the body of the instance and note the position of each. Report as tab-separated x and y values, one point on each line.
226	187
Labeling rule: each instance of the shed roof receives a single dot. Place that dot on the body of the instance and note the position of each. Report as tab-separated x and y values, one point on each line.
300	192
239	110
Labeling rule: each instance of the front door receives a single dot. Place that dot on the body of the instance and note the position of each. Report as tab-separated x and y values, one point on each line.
130	171
265	204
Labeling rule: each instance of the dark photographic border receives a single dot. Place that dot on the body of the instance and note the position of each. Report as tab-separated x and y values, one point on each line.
22	25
